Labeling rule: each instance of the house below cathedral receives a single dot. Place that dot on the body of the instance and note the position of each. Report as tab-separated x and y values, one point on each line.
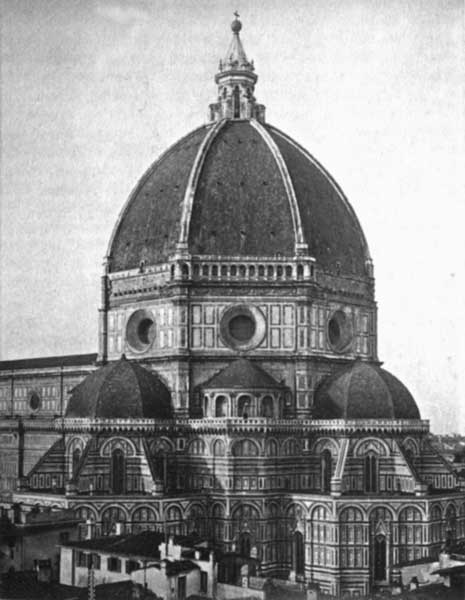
236	394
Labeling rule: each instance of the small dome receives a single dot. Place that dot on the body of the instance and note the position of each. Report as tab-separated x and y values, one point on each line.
364	391
120	390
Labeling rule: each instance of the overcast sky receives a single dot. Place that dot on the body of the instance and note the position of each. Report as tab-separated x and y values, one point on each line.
94	90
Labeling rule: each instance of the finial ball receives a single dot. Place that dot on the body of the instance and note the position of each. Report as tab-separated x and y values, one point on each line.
236	25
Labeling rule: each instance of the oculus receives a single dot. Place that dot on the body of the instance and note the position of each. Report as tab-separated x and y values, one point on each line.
140	330
242	327
34	401
339	331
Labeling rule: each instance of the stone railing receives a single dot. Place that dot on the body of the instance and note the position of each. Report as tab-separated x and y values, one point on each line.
148	279
250	424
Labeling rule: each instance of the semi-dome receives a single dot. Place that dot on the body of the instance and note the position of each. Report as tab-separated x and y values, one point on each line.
363	391
120	390
238	187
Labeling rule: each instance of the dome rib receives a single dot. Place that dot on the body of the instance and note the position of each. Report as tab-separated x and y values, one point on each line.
300	243
191	187
326	175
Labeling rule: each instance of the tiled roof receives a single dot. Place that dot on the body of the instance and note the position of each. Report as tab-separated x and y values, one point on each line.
144	544
242	374
363	391
120	390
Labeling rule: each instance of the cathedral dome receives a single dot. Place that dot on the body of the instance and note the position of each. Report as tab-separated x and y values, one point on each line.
364	391
238	187
120	390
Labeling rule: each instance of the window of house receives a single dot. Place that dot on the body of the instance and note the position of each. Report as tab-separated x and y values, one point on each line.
81	559
114	564
131	565
203	582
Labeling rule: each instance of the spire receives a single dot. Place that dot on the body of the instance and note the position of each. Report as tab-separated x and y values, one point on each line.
236	83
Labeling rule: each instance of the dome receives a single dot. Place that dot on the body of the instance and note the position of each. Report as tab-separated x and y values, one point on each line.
238	187
120	390
363	391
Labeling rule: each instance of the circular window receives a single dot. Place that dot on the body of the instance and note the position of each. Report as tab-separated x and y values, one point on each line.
339	331
242	327
34	401
140	330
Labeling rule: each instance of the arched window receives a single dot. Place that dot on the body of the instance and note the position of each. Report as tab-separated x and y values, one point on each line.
221	407
76	459
326	471
219	448
298	553
320	532
267	407
236	102
271	448
351	537
118	471
174	525
410	534
197	446
86	516
144	519
110	517
371	473
436	522
218	522
245	513
245	448
243	406
451	523
244	544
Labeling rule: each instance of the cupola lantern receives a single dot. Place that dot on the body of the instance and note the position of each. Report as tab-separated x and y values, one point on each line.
236	81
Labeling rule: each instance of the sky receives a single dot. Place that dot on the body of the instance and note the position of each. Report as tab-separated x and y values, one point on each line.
92	91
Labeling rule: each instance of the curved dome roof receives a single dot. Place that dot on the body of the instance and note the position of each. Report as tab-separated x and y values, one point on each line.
363	391
238	187
120	390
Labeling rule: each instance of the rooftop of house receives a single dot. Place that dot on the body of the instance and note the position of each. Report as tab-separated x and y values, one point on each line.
144	545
